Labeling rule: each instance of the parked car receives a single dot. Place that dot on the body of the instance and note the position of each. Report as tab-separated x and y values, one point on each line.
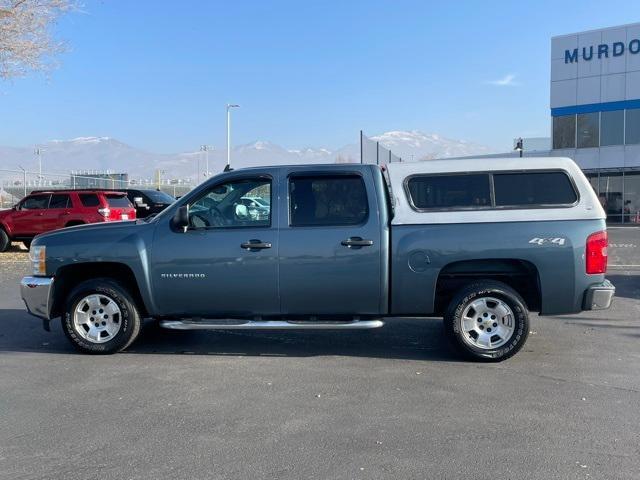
148	202
257	208
43	211
480	243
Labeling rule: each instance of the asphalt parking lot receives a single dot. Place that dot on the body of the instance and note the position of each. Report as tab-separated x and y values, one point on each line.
390	403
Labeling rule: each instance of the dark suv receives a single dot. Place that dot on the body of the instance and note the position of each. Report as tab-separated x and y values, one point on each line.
147	202
43	211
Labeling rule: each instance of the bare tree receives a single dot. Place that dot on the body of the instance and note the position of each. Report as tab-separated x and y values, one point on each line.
26	42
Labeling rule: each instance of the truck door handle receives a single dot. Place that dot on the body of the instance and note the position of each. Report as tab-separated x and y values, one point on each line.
254	244
356	242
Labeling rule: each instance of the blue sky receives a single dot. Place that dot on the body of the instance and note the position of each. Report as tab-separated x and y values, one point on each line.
157	74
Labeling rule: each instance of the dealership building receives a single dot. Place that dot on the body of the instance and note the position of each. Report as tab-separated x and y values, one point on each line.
595	112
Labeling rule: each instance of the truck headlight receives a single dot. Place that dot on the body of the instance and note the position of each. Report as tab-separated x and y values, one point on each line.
37	255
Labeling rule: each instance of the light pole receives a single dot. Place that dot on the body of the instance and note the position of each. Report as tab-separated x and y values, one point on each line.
38	152
229	107
205	149
24	180
519	146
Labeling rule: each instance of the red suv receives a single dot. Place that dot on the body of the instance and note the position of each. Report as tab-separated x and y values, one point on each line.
44	211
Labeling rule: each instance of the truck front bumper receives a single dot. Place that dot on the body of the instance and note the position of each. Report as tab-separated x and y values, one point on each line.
37	293
599	296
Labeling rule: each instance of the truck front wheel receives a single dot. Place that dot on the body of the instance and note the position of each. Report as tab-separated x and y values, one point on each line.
101	317
487	320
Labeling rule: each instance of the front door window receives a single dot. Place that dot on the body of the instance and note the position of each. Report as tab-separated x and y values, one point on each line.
224	206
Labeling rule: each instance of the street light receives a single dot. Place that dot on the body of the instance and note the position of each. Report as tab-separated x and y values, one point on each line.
24	179
38	152
229	107
519	146
206	148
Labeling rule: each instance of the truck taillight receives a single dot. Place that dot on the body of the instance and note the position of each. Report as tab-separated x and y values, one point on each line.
105	212
596	252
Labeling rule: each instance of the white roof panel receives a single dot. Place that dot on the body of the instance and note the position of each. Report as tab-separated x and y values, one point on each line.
588	206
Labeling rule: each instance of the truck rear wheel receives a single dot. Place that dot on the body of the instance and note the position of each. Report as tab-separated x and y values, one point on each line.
487	320
101	317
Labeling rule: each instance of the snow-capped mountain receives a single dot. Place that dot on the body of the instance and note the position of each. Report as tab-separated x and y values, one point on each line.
105	153
424	146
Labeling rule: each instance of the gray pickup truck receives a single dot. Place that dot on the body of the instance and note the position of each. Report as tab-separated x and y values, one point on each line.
480	243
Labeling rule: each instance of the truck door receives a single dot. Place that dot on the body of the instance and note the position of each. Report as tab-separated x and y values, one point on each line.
330	243
226	262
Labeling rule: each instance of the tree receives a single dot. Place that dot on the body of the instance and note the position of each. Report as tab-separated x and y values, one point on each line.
26	42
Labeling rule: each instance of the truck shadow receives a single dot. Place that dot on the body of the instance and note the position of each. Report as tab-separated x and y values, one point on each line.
627	286
409	339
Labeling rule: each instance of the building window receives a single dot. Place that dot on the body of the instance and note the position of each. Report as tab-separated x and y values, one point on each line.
632	136
588	130
612	128
593	180
611	188
564	131
631	206
533	188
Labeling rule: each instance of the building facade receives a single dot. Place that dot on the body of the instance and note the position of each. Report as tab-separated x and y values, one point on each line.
99	179
595	112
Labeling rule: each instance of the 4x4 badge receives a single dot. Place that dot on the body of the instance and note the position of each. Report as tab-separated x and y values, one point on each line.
544	241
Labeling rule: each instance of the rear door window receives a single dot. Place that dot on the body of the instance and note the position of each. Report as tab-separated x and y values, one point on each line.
533	188
327	200
89	199
450	191
35	202
118	201
59	201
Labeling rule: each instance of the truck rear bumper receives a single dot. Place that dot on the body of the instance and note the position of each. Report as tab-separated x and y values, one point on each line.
37	293
599	296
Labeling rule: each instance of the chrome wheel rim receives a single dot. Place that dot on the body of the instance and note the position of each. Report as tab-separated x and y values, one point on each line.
97	318
487	323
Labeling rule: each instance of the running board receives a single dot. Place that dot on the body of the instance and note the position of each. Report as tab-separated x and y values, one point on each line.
269	325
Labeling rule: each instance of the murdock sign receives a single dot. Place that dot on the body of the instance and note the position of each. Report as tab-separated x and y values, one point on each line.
604	50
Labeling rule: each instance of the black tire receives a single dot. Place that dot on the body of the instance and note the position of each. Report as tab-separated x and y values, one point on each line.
5	241
129	318
473	292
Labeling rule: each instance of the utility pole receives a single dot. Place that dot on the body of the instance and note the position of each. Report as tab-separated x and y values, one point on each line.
229	107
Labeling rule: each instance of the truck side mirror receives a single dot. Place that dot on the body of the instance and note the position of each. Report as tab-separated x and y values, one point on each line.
181	218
